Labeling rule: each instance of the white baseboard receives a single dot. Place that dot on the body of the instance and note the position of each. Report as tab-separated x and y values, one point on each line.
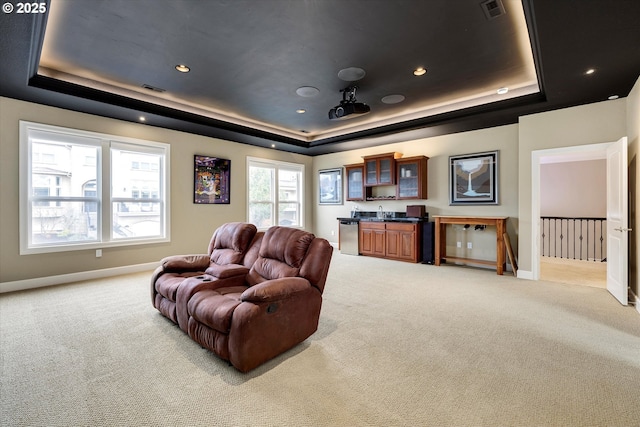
40	282
523	274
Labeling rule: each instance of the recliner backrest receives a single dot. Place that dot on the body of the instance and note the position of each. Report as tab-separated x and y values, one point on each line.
254	250
230	242
282	252
315	266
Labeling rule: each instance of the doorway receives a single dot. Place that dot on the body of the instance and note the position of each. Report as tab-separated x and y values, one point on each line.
559	269
573	210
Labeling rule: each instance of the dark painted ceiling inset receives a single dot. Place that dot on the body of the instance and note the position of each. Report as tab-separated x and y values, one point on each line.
247	58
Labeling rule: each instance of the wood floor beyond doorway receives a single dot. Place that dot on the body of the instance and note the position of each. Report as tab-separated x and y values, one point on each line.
576	272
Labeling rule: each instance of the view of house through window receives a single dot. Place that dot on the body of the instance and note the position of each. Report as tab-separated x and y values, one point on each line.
66	206
275	193
135	196
64	197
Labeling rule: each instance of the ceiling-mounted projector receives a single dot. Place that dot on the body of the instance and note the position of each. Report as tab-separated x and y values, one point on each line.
349	107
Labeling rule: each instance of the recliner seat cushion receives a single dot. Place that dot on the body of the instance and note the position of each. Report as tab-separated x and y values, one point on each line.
214	308
167	284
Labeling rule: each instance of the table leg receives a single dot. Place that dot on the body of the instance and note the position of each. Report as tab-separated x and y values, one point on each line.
440	236
500	249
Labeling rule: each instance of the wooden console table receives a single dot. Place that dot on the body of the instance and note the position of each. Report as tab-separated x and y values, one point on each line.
500	222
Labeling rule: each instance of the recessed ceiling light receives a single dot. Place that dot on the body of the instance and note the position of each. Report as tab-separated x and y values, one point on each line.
351	74
590	71
612	97
503	90
420	71
183	68
142	118
273	145
307	91
392	99
301	111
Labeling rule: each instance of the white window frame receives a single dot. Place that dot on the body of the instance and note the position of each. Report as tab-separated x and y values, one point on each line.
103	199
277	165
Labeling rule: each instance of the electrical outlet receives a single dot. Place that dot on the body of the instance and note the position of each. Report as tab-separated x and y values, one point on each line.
333	233
459	244
98	253
469	245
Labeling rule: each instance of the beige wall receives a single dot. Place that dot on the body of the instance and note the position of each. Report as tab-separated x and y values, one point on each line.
587	124
438	149
191	225
574	189
633	133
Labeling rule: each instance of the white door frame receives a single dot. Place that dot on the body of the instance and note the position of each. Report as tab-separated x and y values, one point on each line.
554	155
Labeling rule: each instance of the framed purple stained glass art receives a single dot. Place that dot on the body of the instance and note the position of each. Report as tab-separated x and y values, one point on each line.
211	180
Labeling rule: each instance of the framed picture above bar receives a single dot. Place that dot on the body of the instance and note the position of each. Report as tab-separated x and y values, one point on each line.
211	180
473	179
330	182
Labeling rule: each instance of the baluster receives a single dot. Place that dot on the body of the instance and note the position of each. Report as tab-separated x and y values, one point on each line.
561	238
543	234
580	239
553	239
594	240
602	257
574	238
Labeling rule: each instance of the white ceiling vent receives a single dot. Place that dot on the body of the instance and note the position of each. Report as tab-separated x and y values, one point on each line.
492	8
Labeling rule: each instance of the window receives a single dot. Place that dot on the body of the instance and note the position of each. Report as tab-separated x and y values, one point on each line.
275	193
78	190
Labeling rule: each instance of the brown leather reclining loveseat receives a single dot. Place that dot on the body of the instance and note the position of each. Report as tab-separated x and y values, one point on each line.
253	296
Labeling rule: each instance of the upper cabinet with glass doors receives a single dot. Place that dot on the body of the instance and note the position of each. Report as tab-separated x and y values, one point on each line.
355	182
380	169
407	174
411	178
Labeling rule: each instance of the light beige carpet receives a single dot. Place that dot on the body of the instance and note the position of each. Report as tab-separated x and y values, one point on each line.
399	345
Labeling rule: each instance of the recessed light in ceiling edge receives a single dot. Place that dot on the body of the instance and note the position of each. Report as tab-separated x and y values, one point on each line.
183	68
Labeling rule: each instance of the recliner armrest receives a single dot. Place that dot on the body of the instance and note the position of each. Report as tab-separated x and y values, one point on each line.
185	262
227	270
275	290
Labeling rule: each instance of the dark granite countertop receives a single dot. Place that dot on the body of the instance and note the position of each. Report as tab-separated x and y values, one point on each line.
372	217
394	219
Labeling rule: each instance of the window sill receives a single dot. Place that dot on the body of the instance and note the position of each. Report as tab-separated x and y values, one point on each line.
44	249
